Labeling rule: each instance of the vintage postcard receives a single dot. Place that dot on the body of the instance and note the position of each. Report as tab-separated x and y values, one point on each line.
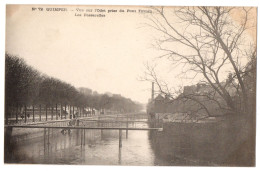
130	85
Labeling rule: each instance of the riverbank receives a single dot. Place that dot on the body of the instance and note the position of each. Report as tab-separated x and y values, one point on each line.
219	142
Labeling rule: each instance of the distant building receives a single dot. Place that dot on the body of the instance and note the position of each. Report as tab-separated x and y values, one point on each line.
85	91
95	93
117	95
182	104
109	94
160	104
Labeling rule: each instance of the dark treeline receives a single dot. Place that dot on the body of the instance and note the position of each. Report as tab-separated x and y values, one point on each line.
25	86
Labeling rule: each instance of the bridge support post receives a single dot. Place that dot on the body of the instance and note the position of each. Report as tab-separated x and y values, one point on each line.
119	156
120	138
126	132
44	141
84	136
81	137
101	134
48	142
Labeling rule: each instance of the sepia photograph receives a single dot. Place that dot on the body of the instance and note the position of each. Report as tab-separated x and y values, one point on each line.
130	85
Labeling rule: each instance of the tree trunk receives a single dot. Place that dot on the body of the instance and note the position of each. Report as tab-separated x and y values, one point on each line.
61	111
229	55
65	111
51	112
46	112
40	112
56	111
17	110
25	112
33	114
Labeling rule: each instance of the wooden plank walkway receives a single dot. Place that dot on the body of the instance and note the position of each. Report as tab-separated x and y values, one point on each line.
104	121
93	123
85	120
118	117
80	127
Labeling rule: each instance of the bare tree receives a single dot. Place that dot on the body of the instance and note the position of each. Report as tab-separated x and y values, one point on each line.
207	42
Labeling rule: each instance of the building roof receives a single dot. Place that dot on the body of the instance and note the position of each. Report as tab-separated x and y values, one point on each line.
159	97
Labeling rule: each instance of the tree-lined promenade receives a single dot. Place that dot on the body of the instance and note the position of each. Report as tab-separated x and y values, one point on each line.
31	94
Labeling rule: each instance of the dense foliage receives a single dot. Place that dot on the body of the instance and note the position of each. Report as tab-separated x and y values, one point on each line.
26	86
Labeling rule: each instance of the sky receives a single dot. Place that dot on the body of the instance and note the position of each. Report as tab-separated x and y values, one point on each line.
105	54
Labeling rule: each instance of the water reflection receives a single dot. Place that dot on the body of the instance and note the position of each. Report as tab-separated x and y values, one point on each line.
91	147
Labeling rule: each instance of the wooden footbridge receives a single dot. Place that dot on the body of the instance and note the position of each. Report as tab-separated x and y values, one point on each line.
138	122
120	121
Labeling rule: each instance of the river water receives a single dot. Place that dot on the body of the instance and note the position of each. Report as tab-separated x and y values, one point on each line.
86	147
